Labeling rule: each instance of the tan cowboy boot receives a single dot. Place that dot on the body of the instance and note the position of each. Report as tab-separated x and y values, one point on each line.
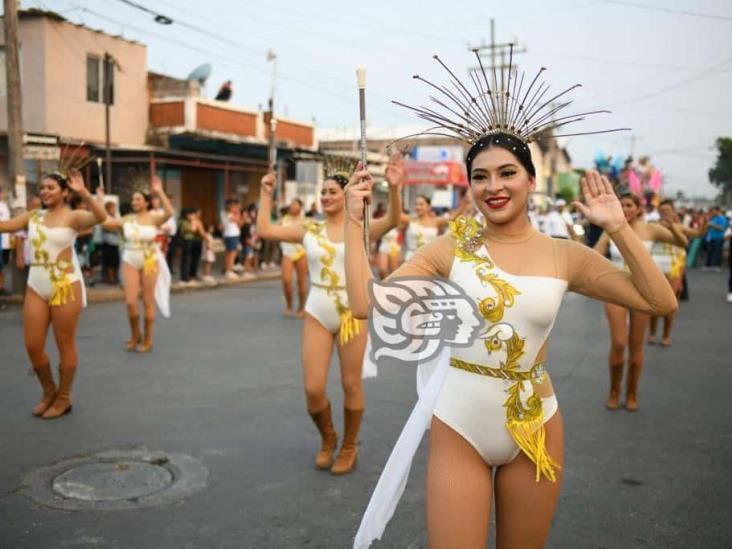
631	394
324	422
49	389
346	461
136	337
62	404
147	342
616	379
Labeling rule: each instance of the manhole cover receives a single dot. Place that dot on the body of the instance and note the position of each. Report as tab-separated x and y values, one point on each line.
116	480
112	481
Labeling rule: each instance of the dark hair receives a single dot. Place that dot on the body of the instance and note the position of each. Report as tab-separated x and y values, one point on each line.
512	144
425	198
146	196
666	202
339	178
62	180
633	197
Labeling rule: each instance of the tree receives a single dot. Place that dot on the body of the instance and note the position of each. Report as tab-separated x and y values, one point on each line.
721	174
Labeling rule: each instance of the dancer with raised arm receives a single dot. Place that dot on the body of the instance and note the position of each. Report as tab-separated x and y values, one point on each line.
328	318
628	326
490	404
143	264
55	293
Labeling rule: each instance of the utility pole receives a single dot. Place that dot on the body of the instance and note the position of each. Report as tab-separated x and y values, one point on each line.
108	72
16	166
492	51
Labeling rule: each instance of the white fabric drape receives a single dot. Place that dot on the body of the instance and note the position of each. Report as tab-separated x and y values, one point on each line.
162	284
390	487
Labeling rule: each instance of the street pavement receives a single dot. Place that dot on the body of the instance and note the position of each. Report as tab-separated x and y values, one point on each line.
223	385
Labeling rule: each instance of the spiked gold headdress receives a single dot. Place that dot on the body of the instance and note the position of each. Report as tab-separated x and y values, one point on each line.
497	103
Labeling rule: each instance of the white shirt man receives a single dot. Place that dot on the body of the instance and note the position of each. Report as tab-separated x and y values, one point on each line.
558	223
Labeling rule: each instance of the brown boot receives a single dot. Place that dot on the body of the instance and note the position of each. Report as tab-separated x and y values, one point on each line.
324	422
616	379
136	337
631	394
62	404
147	343
49	389
346	461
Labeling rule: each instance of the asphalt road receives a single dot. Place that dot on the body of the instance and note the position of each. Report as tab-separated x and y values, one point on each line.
224	386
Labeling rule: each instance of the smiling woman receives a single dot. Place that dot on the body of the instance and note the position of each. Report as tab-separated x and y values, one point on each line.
492	403
55	294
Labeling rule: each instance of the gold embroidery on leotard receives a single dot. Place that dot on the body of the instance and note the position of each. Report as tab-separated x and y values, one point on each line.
418	235
62	290
150	260
525	423
350	327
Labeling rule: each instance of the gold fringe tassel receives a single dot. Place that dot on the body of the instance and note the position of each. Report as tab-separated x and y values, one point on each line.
530	436
62	291
350	327
394	249
150	266
298	255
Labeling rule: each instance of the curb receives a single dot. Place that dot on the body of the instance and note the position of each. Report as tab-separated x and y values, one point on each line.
117	294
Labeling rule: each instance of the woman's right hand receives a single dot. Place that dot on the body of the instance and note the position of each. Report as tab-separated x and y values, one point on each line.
268	183
358	190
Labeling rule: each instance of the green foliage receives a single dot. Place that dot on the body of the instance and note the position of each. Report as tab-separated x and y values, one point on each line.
568	186
721	174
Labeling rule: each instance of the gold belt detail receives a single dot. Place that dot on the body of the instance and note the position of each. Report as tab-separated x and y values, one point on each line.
536	374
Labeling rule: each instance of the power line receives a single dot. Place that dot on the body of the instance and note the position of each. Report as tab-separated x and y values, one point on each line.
669	10
234	63
252	51
682	83
603	61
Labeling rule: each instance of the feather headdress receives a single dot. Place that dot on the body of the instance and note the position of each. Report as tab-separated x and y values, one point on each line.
71	161
339	165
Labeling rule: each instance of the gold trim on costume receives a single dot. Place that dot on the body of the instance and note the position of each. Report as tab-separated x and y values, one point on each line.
350	327
62	289
525	423
150	259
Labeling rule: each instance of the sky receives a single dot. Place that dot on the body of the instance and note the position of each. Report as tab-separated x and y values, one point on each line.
664	68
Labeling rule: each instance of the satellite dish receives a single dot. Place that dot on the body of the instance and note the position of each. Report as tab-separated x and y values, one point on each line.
201	73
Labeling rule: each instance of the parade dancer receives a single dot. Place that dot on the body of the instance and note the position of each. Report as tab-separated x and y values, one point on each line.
491	405
423	228
143	264
294	261
328	317
671	259
389	255
55	292
628	326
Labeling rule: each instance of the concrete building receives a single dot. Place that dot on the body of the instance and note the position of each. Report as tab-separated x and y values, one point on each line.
62	89
205	150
